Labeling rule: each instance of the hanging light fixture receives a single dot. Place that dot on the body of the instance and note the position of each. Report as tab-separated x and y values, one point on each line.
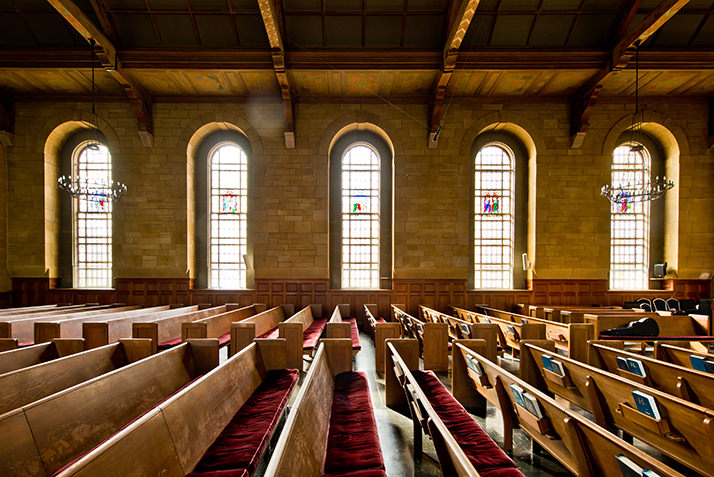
647	189
92	190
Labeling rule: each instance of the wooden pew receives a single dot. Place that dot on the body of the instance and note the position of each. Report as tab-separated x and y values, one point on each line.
6	312
675	326
219	326
462	447
29	384
307	329
678	352
269	324
584	448
694	386
460	329
331	427
573	313
100	333
571	338
51	433
23	327
381	331
74	327
184	427
684	432
7	344
166	332
40	353
53	312
433	339
338	327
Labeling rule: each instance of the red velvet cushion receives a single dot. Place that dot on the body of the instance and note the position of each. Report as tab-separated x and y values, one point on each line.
380	320
274	333
482	451
311	335
224	339
352	440
354	333
243	441
170	343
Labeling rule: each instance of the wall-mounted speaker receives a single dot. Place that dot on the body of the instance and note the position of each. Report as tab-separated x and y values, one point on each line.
660	270
526	263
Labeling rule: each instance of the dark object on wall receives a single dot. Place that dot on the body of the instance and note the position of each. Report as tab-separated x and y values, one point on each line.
642	327
660	270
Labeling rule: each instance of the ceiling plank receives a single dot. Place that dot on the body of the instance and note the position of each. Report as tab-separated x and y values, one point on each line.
585	98
457	31
140	101
273	27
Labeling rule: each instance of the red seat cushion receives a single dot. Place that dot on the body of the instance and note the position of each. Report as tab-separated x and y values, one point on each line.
311	335
271	334
485	455
242	442
354	333
352	441
170	343
380	320
224	339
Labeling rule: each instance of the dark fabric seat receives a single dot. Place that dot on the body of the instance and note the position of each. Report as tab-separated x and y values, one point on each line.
483	453
224	339
380	320
311	335
271	334
353	442
239	447
169	343
354	334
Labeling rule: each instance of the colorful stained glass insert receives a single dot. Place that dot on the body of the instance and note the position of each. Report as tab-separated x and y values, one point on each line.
98	203
491	203
359	204
625	202
230	203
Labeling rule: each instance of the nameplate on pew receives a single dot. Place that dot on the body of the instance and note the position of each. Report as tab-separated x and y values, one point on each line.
476	372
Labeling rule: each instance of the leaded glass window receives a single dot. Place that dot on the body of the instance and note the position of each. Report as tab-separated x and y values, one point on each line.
92	267
494	184
630	221
360	217
228	198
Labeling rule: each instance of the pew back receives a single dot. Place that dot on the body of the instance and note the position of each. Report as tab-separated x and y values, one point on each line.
433	338
381	332
40	353
169	328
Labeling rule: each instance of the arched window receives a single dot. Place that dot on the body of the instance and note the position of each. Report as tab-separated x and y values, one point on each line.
92	218
360	211
499	193
222	180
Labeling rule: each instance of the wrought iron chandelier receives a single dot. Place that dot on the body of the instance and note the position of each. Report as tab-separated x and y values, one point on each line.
637	191
99	191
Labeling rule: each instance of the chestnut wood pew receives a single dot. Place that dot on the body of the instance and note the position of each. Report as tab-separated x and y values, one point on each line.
433	339
165	332
684	432
57	311
100	333
463	447
48	434
685	326
40	353
678	352
339	327
308	324
509	333
219	326
694	386
460	329
574	314
29	384
248	392
265	324
331	428
577	315
7	312
7	344
23	327
584	448
74	327
380	330
571	338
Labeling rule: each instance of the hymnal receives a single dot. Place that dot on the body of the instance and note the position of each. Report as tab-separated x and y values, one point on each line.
485	320
557	367
636	367
465	329
622	363
646	404
627	467
649	473
697	362
546	362
532	405
709	366
474	365
518	394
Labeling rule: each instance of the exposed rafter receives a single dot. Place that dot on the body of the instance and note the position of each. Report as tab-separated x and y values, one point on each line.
585	98
140	101
271	19
461	19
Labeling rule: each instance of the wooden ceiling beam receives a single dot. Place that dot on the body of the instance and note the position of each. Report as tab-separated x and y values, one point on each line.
271	19
585	98
461	19
140	101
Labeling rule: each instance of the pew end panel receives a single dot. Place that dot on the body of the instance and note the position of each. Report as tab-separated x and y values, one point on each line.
95	334
382	333
68	346
5	329
489	333
7	344
436	346
242	335
191	330
46	331
272	353
529	371
338	330
408	349
205	354
147	330
461	386
293	333
338	352
317	310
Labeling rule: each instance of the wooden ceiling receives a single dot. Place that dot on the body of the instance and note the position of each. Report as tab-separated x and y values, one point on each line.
410	50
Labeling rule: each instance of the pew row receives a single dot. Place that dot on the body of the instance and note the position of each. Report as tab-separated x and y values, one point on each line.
269	324
584	448
463	447
331	428
338	327
433	339
676	327
381	331
219	326
309	324
7	344
679	353
40	353
461	330
27	385
684	431
573	313
235	408
56	312
43	437
37	309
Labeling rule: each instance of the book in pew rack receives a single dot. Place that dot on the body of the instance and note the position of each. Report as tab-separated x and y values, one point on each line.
532	405
709	366
546	361
628	468
646	404
474	365
557	367
636	367
697	362
622	363
518	394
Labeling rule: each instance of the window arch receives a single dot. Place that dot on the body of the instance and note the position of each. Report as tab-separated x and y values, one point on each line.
223	205
86	222
360	211
636	228
499	207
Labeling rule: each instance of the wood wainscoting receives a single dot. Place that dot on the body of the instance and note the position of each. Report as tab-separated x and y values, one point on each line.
436	294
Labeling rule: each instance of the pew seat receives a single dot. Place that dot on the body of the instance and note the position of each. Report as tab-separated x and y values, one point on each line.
240	445
354	333
483	453
352	448
312	333
170	343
